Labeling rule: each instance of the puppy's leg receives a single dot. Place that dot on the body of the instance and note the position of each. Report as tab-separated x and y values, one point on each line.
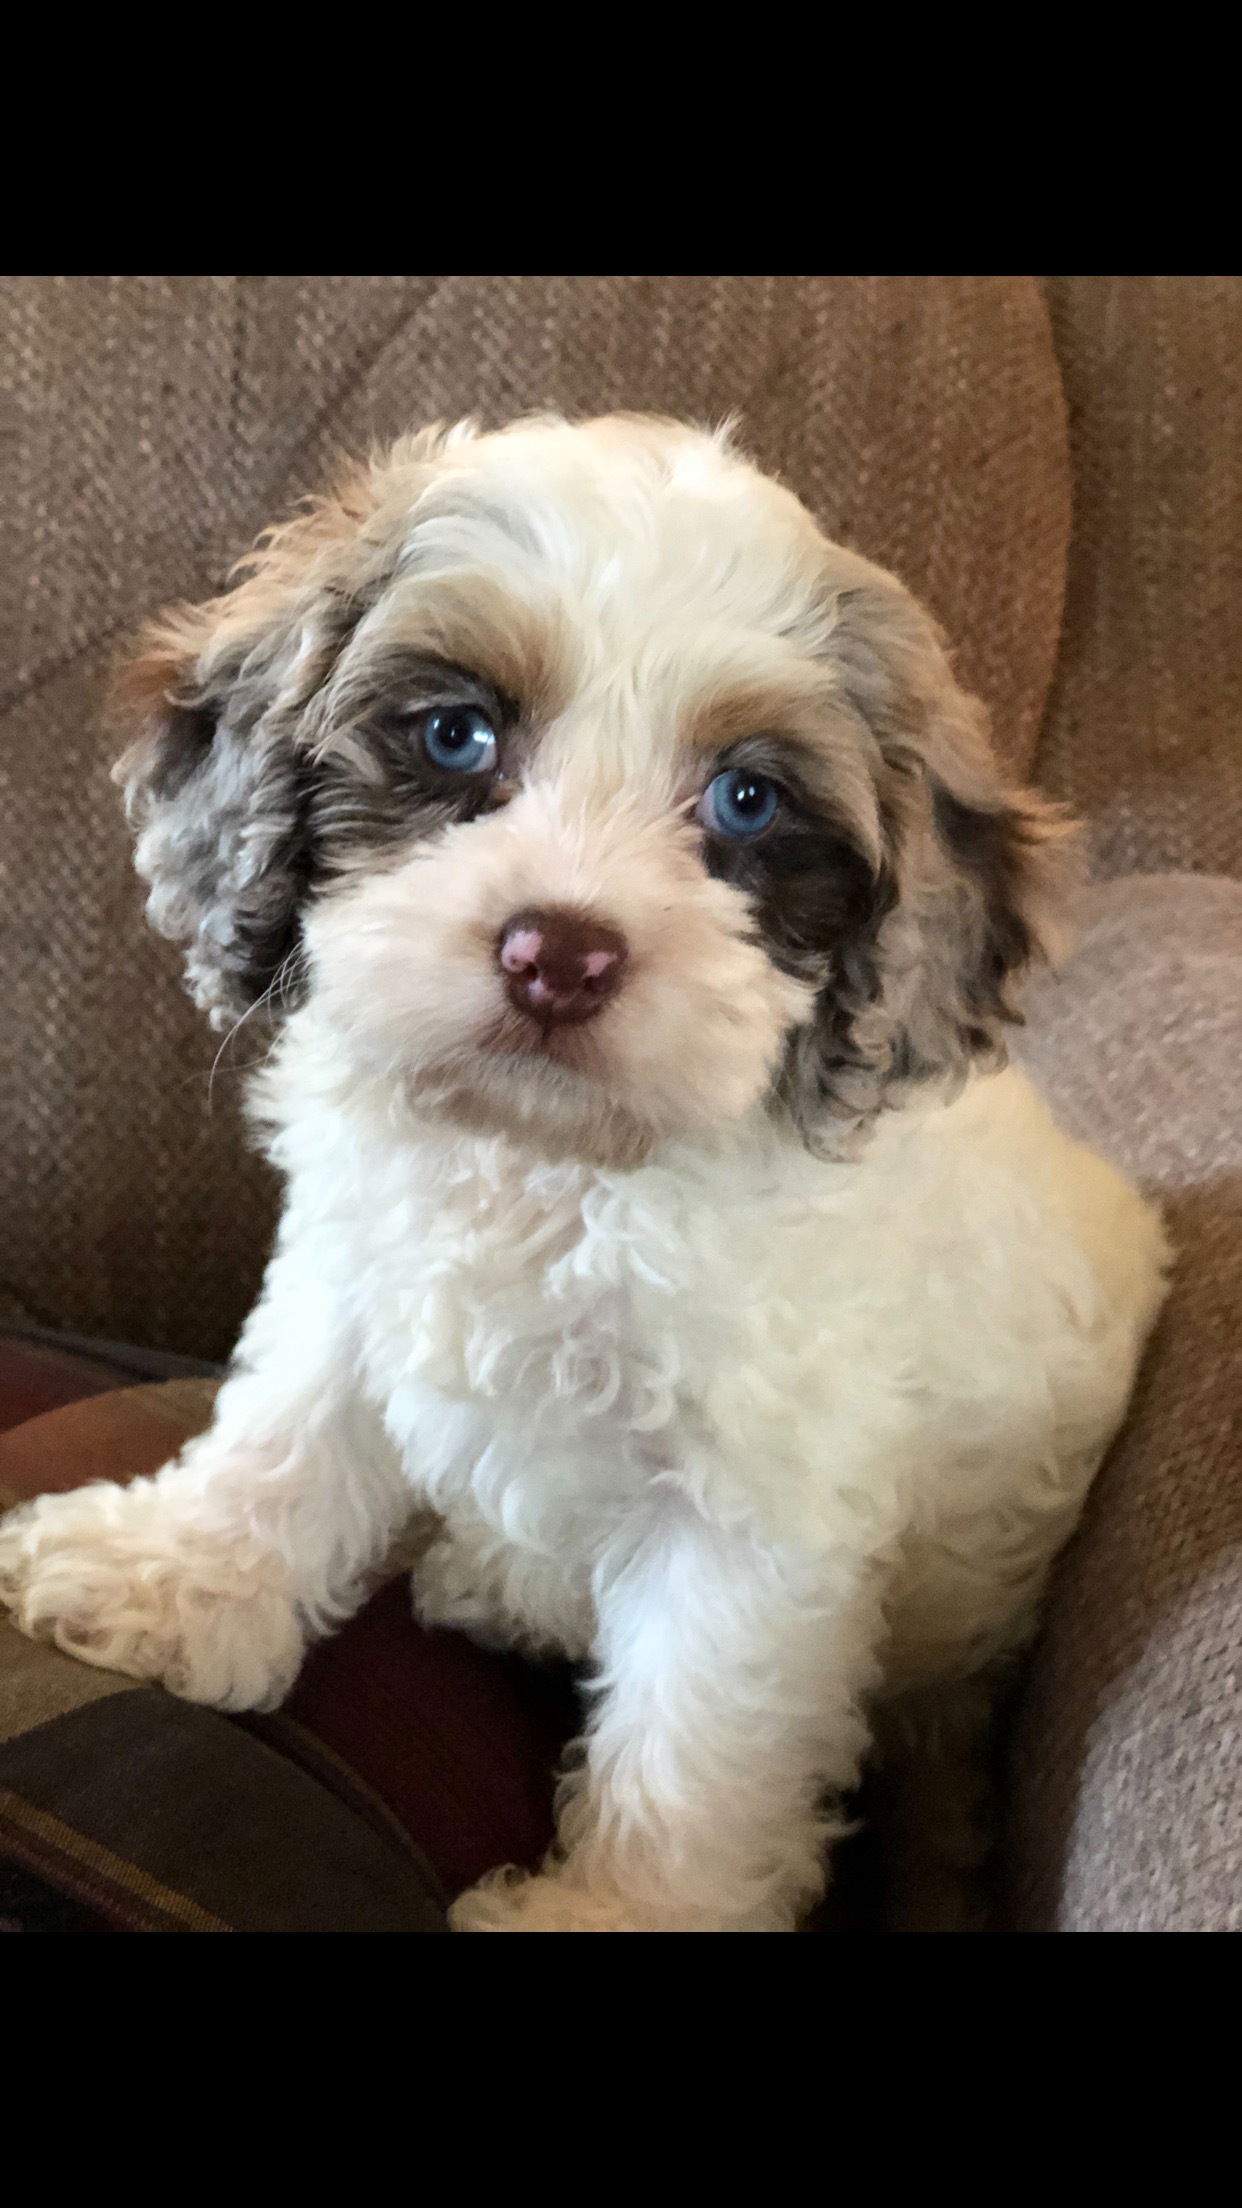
728	1707
212	1575
503	1595
934	1803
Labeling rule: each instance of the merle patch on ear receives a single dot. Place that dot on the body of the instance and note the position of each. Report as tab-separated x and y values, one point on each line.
966	897
221	840
997	853
216	784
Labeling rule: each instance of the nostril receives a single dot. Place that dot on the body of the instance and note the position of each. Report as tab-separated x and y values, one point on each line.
559	964
519	950
598	968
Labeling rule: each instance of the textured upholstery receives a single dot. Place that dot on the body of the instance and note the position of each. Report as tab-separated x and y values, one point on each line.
1125	1799
1144	728
156	423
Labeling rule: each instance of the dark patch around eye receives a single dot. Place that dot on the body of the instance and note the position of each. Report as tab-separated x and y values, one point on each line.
815	894
399	795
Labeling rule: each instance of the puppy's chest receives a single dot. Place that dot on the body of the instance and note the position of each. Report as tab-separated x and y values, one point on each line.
554	1306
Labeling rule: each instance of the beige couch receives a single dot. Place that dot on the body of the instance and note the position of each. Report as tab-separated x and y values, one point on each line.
1056	467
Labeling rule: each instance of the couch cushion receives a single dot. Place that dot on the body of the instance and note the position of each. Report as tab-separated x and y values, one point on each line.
123	1810
1143	724
37	1377
40	1370
155	423
150	1815
413	1740
1125	1793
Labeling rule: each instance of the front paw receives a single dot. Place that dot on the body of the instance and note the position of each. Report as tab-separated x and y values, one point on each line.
522	1901
565	1901
111	1576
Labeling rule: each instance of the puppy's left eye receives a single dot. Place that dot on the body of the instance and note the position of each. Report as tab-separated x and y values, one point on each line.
459	739
739	805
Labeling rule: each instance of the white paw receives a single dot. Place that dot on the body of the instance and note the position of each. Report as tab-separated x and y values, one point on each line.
112	1577
522	1901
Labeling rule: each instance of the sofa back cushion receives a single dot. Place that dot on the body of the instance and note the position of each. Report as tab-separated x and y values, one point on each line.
156	423
1142	734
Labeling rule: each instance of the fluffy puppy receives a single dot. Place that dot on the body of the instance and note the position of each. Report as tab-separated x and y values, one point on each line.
638	902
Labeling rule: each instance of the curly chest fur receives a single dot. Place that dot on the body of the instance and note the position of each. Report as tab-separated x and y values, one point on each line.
831	1352
560	1308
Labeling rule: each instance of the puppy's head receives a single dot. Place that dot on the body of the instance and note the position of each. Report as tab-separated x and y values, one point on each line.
587	792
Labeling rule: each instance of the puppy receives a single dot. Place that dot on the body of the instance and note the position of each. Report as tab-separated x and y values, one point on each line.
637	901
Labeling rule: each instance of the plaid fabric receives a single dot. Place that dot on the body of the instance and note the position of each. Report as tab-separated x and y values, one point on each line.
150	1815
125	1810
41	1370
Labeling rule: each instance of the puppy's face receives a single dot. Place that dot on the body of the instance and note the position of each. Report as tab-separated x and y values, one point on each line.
588	793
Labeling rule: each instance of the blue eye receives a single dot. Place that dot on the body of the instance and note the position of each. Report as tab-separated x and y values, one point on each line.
460	739
739	805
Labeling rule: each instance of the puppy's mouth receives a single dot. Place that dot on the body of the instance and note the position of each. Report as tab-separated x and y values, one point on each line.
552	1085
576	1047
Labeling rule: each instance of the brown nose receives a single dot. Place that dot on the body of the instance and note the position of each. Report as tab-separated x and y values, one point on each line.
559	965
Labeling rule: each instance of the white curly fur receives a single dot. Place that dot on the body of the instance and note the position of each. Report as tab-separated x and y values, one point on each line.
770	1438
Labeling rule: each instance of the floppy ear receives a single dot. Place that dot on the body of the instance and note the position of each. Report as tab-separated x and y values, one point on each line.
976	871
214	777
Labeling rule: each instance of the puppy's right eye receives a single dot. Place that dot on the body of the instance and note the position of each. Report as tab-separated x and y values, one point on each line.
458	739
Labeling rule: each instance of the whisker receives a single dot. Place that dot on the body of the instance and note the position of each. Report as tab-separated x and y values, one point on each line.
276	990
